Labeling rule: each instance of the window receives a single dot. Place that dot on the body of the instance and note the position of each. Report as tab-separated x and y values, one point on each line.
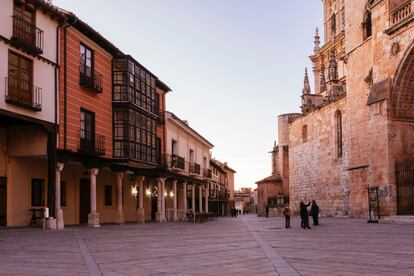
304	133
24	12
135	136
86	61
205	163
367	24
38	191
191	156
174	147
87	125
108	195
63	193
20	77
338	133
333	25
133	83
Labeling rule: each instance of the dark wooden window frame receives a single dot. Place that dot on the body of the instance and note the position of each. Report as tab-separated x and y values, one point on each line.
132	83
83	60
135	136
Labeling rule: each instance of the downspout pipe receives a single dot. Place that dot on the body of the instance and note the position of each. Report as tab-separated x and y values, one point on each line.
65	89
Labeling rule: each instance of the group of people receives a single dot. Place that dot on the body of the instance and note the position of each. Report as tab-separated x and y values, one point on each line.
304	214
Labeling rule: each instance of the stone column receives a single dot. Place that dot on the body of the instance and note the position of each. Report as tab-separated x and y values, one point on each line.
200	199
193	200
119	217
140	209
164	198
206	202
185	197
160	199
174	183
58	211
93	217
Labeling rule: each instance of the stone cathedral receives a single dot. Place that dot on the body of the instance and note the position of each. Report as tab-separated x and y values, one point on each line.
356	128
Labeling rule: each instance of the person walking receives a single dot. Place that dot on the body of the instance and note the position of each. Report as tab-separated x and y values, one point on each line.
304	215
314	211
267	210
286	213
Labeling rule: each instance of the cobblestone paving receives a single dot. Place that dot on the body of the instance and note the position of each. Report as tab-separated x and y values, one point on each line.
244	246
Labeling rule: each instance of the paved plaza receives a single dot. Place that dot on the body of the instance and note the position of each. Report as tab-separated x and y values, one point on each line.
244	246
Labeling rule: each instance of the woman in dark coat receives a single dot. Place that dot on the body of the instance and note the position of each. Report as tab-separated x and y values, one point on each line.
304	215
315	212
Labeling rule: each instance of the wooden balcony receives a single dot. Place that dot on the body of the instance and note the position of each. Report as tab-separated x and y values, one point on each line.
23	93
27	36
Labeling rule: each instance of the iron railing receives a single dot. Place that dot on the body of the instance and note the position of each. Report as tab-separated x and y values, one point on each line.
90	78
27	36
207	173
195	168
23	93
177	162
91	143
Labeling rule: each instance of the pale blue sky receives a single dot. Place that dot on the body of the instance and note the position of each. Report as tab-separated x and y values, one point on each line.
233	65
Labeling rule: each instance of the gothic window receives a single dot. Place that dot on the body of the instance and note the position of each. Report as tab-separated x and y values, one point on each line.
367	25
338	134
333	25
304	133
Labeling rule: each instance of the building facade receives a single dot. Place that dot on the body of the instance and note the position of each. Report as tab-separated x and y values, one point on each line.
188	158
28	108
354	132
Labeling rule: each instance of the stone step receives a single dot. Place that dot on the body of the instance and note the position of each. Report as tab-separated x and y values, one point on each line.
398	220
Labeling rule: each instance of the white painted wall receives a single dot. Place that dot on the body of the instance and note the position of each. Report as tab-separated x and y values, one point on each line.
186	140
43	72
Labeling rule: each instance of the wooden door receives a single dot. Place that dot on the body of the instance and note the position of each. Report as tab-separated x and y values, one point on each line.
3	201
84	200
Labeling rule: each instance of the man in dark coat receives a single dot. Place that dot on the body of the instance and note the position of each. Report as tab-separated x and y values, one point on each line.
304	215
267	210
286	213
314	211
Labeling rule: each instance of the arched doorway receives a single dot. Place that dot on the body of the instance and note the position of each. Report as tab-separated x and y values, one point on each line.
402	103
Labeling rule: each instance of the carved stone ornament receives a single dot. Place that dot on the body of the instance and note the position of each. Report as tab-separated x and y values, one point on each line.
395	48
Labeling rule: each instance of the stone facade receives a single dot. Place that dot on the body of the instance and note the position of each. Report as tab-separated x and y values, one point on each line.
355	131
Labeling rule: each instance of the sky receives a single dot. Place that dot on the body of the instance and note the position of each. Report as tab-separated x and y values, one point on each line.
233	65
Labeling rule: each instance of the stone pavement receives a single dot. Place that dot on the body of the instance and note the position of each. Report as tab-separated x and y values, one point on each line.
244	246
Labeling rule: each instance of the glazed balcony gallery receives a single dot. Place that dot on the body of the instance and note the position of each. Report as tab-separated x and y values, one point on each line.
136	112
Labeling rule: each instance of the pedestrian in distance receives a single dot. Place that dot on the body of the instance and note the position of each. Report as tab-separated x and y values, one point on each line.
314	212
304	215
267	211
286	213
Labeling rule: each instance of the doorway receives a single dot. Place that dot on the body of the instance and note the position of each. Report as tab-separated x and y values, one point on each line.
3	201
84	200
153	208
405	189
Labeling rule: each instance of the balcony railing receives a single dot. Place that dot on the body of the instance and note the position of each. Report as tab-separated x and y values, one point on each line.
402	13
195	168
207	173
23	93
27	36
177	162
90	78
91	144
